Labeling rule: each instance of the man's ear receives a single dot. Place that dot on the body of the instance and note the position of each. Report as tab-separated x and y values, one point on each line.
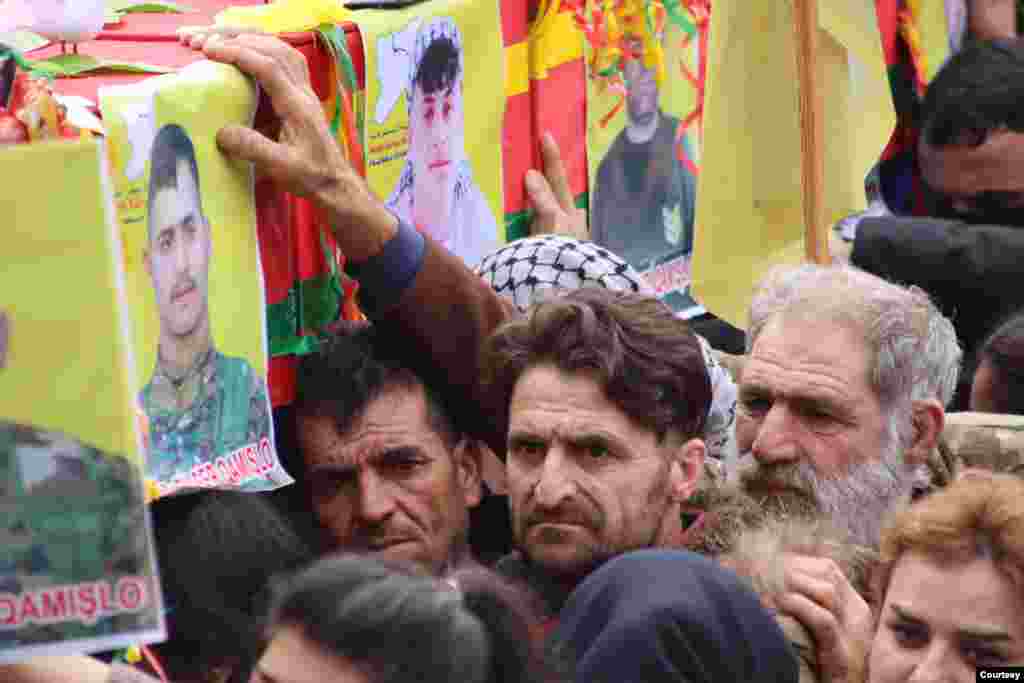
468	456
928	420
686	469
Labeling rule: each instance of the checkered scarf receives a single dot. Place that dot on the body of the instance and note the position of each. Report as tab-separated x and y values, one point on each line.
523	270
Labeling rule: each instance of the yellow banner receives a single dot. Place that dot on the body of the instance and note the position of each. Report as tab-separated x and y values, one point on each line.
749	201
195	284
65	364
643	162
434	111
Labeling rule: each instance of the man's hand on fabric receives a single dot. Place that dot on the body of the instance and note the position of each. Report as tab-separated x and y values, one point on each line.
304	159
555	212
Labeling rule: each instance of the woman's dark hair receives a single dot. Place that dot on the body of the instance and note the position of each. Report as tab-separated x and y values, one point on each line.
218	551
404	627
1004	352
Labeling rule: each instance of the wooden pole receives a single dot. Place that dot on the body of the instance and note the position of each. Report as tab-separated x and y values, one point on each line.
812	131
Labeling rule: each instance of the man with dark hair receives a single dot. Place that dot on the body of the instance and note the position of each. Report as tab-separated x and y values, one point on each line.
644	196
201	404
972	137
607	405
388	472
971	156
607	394
436	191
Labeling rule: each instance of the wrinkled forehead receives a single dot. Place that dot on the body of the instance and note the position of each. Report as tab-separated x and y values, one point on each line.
997	165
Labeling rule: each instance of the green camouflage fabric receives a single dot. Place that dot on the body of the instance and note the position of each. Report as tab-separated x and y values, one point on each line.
218	406
68	515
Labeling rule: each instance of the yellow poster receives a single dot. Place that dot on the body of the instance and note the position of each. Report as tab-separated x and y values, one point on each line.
435	104
643	151
750	199
188	224
76	564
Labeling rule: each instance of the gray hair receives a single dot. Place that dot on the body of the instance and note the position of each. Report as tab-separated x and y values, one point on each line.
915	351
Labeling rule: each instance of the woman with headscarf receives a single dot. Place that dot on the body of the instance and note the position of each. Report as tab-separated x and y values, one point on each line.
658	616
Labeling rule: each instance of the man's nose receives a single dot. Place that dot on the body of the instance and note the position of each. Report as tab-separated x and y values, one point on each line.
776	440
182	259
376	502
556	483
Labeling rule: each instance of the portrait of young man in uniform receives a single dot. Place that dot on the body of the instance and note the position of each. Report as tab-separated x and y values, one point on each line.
200	403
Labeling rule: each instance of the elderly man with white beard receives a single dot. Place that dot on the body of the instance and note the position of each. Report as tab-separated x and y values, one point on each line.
841	400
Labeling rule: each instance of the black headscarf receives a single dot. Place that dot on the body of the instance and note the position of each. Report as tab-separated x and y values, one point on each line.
663	615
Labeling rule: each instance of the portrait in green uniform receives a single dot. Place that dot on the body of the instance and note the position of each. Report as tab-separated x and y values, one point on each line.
201	404
72	521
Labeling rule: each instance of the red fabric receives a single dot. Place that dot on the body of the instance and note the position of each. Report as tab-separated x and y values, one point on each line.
560	108
519	148
289	229
519	152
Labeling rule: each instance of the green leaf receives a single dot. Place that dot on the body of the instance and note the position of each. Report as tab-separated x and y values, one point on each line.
23	40
151	7
71	65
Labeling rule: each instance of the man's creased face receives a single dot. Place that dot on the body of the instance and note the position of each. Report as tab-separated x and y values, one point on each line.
391	485
435	133
178	258
812	430
585	481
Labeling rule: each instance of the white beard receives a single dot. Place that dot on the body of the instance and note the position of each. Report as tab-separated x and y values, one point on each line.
855	502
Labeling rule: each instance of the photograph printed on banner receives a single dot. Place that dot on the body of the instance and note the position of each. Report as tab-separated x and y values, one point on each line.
77	572
430	85
194	279
644	159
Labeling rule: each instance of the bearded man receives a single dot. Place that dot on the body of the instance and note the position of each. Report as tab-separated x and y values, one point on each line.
843	395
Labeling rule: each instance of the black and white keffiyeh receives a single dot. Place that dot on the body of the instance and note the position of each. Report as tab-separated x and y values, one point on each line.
532	267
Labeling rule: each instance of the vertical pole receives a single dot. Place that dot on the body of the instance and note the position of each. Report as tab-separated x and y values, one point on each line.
812	131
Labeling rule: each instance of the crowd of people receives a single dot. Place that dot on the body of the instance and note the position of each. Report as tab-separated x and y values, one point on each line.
536	472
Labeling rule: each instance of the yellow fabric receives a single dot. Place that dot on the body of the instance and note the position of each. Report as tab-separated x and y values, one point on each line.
929	18
69	367
285	16
554	41
749	199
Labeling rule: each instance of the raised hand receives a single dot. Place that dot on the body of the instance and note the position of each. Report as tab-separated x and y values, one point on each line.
555	210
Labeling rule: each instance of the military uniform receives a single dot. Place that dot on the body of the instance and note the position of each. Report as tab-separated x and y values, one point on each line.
217	406
82	523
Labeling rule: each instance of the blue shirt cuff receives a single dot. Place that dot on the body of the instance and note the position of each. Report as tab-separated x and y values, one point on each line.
384	278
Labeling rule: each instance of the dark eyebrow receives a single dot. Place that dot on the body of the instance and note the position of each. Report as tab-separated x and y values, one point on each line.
583	441
983	634
905	614
409	452
971	633
520	436
335	468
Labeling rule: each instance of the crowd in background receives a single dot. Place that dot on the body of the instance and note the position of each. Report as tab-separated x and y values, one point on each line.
500	478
